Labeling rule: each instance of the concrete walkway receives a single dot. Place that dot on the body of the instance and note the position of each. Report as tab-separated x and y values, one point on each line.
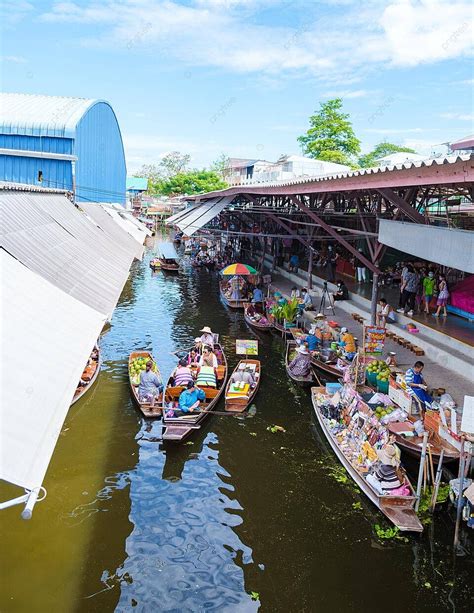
435	372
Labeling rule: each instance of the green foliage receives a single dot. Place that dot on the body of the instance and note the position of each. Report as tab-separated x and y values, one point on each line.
357	506
339	474
254	595
330	136
386	534
221	166
174	163
191	182
380	151
424	513
290	310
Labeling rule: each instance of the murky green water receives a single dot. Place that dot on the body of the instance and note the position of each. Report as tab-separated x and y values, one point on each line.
132	524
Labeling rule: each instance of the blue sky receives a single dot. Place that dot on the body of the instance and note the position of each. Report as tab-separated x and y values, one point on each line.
241	77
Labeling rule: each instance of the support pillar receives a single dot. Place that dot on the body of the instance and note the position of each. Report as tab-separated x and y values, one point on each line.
373	303
310	270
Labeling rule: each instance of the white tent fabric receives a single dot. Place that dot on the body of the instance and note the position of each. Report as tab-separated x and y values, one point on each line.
45	345
137	233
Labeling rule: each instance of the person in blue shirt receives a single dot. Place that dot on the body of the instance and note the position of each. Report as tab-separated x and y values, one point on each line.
257	295
294	263
311	339
191	398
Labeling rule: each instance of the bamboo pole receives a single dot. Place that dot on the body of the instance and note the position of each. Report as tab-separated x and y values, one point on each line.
420	471
460	496
437	481
432	474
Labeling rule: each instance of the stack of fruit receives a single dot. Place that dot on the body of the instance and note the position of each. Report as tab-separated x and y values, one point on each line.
378	374
136	367
381	411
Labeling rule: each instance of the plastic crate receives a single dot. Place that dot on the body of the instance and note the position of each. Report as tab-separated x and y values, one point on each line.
382	386
371	378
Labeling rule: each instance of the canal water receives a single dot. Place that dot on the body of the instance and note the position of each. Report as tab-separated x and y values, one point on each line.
238	519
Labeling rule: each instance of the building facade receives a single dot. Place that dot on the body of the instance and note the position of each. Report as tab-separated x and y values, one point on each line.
72	144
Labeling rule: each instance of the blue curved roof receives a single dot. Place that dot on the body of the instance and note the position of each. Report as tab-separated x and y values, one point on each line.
38	115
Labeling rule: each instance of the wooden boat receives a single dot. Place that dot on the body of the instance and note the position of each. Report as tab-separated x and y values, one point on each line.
237	402
168	257
89	376
398	509
145	407
169	264
233	304
155	264
329	368
291	348
178	428
265	327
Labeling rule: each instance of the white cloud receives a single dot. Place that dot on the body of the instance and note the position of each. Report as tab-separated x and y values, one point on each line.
14	59
352	38
458	116
357	93
13	11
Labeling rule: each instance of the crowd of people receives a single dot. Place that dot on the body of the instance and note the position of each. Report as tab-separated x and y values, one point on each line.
422	289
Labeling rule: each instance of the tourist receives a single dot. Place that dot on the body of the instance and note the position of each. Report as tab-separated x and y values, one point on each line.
300	366
294	263
410	286
150	386
190	398
361	270
306	300
312	341
207	337
443	295
295	293
429	284
182	374
416	385
347	343
341	293
194	357
208	358
383	312
385	476
331	262
243	373
257	295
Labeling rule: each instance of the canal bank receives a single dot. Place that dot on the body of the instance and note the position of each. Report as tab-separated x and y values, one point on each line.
130	522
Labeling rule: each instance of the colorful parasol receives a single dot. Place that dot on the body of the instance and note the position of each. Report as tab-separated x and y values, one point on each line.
239	269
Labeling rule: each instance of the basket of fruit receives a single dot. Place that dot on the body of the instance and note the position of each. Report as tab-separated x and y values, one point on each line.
378	374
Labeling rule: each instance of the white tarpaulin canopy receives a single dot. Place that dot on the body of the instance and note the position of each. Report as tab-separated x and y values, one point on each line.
447	246
190	225
47	336
167	251
180	214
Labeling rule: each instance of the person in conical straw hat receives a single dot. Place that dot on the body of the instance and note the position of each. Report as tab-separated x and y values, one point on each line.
300	366
207	337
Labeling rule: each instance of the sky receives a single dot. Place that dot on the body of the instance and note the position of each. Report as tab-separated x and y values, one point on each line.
242	77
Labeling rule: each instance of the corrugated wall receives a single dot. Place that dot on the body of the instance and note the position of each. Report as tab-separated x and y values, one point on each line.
100	168
16	169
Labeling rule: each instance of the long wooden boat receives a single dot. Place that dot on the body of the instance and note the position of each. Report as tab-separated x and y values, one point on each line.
145	407
169	264
233	304
237	402
89	376
398	509
329	368
265	327
155	264
305	381
178	428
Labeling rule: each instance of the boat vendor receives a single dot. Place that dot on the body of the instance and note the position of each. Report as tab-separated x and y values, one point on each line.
306	303
244	374
207	337
257	295
190	399
300	366
150	386
347	343
236	285
182	374
416	385
312	341
385	477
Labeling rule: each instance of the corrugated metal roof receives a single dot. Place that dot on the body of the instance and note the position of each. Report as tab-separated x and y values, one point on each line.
25	187
55	333
464	143
167	251
35	114
180	214
41	232
137	183
205	216
328	179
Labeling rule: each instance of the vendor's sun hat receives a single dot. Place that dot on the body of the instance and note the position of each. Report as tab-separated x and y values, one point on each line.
242	366
388	455
344	329
197	339
302	349
206	329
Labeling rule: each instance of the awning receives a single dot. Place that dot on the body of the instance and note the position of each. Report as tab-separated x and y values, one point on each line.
167	251
47	337
177	216
446	246
52	237
203	215
126	224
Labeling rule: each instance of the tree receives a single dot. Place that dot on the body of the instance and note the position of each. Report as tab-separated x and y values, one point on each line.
152	172
381	150
191	182
174	163
330	136
221	166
